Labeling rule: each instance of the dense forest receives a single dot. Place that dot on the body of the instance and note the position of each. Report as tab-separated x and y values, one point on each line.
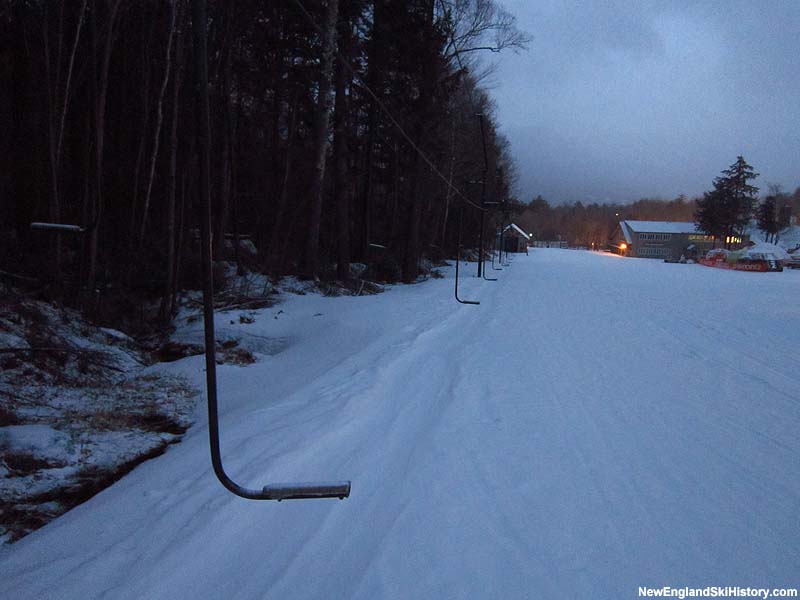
341	131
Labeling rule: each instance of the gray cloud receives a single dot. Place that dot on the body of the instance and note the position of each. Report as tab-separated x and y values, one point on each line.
615	101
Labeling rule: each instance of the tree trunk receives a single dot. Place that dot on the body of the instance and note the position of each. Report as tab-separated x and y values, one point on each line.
86	204
52	76
449	191
395	195
321	118
224	196
412	254
422	113
179	246
159	122
276	167
274	254
240	271
20	62
99	114
134	217
340	152
167	301
58	107
374	78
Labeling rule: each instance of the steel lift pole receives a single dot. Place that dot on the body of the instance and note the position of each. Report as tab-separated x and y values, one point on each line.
458	255
485	269
484	203
483	194
502	240
495	250
506	218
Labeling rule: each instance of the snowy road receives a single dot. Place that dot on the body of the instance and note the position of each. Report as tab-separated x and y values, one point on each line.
595	425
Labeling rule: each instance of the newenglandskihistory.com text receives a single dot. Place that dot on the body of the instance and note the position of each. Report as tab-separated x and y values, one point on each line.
717	592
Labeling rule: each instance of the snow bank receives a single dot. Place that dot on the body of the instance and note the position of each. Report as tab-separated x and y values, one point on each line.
788	238
718	252
77	410
39	441
766	249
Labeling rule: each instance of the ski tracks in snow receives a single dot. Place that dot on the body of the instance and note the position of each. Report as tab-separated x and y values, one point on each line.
588	429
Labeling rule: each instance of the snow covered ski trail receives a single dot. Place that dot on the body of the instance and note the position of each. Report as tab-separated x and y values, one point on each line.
595	425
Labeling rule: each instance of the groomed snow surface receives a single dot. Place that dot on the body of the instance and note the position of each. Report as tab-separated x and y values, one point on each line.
595	425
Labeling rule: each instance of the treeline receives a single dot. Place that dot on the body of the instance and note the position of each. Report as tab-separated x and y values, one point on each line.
729	210
341	131
590	225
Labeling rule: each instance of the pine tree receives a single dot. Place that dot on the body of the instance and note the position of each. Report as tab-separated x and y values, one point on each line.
709	214
741	196
727	209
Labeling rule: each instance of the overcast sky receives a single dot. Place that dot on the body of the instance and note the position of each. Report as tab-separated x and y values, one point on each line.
615	101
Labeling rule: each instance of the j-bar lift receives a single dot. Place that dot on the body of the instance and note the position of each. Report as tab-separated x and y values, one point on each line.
458	254
272	491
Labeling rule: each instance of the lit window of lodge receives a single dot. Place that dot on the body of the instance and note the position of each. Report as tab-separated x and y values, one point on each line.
693	237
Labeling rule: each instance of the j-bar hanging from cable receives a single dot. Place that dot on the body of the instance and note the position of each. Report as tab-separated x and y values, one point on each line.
273	491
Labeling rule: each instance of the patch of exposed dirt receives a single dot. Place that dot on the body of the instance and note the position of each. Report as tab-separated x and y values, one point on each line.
77	411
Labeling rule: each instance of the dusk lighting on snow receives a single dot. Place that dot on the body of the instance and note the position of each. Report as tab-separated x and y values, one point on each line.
383	300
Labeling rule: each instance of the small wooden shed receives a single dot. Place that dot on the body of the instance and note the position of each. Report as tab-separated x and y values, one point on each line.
514	239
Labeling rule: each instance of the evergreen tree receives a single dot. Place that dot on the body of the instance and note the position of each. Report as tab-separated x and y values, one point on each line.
741	197
727	209
709	214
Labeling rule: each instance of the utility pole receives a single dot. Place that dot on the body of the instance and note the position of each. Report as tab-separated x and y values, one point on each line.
483	195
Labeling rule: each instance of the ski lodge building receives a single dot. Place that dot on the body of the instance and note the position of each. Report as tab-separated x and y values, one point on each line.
666	240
